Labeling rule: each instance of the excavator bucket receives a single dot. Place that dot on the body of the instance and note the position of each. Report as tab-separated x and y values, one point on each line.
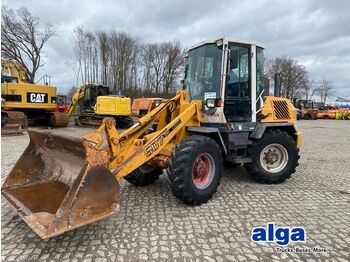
13	123
61	183
11	129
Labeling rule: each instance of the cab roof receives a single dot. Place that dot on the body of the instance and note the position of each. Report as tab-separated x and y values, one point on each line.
226	40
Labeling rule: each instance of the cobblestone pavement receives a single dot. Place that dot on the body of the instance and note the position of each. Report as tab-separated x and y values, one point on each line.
154	225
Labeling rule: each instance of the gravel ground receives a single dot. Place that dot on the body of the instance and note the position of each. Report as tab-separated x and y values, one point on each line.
154	225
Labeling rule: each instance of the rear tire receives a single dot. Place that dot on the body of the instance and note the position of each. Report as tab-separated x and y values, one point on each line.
144	175
124	122
195	169
274	157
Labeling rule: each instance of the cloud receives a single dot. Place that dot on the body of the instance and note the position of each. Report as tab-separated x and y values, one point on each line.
313	32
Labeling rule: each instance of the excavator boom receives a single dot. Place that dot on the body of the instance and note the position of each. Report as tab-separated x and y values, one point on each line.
14	69
77	97
60	182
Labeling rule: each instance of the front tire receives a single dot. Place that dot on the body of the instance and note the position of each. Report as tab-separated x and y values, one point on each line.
144	175
195	169
274	157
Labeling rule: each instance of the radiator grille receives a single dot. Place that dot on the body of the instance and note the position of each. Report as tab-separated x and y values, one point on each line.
281	110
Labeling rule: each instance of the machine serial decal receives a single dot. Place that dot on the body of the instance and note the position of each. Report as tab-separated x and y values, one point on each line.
159	140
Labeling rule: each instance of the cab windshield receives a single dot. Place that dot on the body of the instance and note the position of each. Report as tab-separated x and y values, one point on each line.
203	72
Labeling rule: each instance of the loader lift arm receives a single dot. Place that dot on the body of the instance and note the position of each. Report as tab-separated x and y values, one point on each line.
131	149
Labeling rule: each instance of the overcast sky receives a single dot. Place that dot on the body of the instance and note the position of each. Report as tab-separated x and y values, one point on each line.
316	33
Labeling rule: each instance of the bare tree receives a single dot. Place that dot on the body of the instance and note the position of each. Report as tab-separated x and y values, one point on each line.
163	63
173	66
294	76
78	42
91	56
76	69
154	62
104	52
123	48
325	89
310	89
86	54
23	38
125	64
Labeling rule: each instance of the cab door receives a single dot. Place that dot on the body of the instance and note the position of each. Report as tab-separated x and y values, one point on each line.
89	99
237	101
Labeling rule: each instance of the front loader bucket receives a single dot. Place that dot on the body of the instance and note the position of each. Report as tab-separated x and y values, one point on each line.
61	183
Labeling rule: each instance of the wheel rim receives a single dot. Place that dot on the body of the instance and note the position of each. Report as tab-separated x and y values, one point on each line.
203	170
274	158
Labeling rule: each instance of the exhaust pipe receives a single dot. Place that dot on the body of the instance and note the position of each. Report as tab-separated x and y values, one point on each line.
277	91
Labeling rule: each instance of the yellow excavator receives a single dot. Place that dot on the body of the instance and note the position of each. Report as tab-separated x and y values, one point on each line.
62	182
96	103
23	102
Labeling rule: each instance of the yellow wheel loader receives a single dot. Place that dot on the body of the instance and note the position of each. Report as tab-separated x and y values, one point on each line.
307	107
96	103
61	182
23	102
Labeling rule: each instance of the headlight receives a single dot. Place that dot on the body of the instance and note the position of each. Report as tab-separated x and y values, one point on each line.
210	103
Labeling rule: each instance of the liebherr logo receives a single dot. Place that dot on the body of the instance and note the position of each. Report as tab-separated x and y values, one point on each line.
159	140
36	98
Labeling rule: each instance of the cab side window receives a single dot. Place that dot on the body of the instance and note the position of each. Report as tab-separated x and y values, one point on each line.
237	104
238	76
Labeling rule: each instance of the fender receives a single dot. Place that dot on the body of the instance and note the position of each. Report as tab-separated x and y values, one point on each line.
209	130
260	128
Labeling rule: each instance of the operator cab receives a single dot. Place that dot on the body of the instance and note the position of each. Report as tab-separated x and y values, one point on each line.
91	93
304	104
228	75
8	79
